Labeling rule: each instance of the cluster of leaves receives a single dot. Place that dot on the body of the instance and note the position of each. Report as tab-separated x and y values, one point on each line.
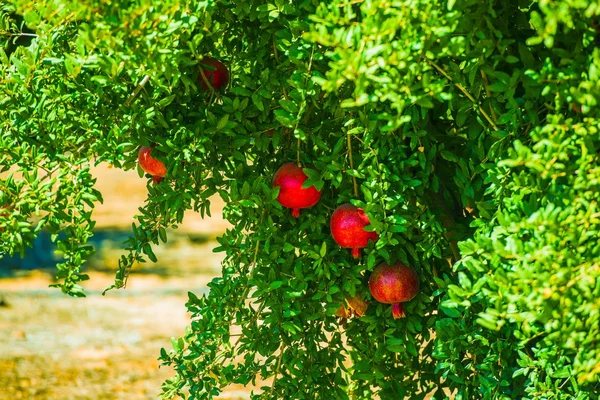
470	128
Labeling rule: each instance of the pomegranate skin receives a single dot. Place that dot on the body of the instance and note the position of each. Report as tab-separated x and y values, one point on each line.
394	284
151	165
217	76
347	228
290	177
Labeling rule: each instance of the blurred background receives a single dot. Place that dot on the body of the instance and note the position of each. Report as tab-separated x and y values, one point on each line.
103	347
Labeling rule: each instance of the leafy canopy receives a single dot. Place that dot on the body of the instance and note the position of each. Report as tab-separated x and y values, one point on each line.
468	131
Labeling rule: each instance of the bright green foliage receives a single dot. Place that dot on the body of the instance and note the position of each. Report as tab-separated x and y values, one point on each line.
474	135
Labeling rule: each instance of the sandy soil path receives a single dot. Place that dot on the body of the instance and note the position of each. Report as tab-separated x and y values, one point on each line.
105	347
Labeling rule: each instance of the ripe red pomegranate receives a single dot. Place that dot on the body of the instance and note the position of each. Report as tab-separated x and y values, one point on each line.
347	228
290	178
394	284
217	75
151	165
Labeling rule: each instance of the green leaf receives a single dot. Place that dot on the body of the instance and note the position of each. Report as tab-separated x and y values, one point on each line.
166	101
223	122
276	284
258	102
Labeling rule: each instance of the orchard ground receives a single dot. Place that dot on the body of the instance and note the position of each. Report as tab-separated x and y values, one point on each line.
105	347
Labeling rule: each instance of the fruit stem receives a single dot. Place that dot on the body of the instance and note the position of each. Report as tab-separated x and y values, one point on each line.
356	252
295	212
397	311
157	179
298	154
352	165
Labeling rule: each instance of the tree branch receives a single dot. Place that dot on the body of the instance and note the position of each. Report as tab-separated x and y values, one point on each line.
465	92
137	90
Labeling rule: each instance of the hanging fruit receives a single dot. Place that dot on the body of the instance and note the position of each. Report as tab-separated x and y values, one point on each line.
394	284
151	165
347	228
217	74
290	179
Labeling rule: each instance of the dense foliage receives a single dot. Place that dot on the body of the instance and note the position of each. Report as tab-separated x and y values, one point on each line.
468	131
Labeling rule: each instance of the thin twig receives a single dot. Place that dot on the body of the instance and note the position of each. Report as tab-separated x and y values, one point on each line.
206	81
379	175
137	90
304	104
354	184
276	54
277	370
465	92
249	273
285	96
251	268
486	84
448	222
10	34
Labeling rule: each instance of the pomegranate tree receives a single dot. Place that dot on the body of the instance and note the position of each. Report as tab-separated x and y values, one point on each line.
151	165
215	72
290	178
394	284
347	228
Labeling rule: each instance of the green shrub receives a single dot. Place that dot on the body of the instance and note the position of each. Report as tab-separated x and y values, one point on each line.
468	132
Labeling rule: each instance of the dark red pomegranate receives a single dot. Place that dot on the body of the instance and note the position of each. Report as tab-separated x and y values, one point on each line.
151	165
215	72
347	228
394	284
290	178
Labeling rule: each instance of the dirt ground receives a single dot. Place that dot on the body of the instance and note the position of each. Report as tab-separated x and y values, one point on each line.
105	347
